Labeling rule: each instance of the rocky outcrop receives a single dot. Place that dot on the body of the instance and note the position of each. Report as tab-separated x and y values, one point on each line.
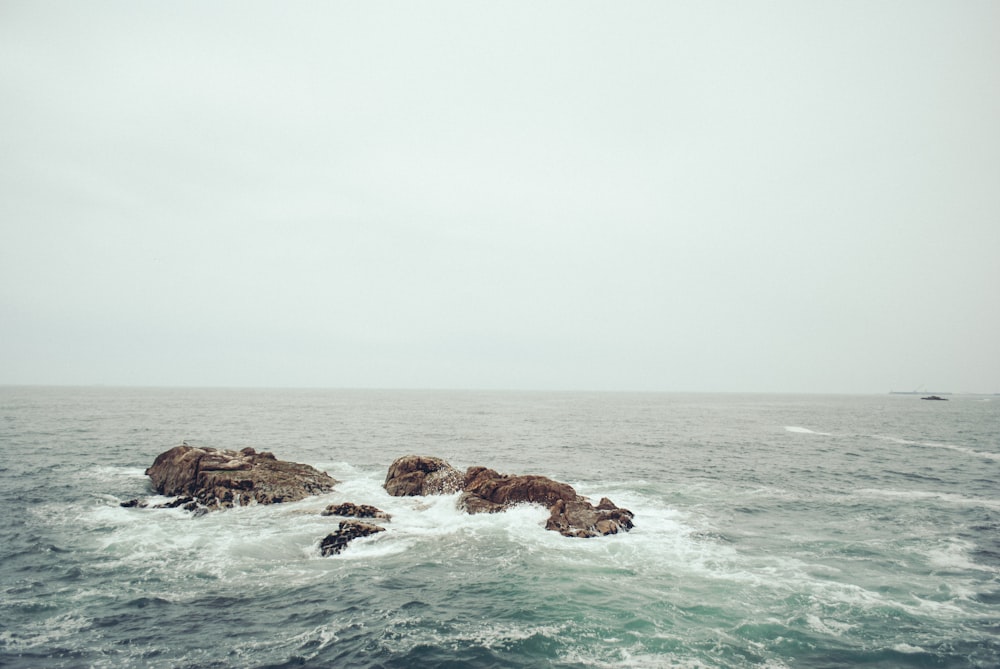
420	475
580	518
222	478
351	510
348	531
486	491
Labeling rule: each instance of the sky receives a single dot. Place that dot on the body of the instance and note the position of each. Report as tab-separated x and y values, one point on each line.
777	196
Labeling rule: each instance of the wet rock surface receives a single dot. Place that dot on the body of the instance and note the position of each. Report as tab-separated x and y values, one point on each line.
216	478
485	490
348	531
200	479
351	510
580	518
422	475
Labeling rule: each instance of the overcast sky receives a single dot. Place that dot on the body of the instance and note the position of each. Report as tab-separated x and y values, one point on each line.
680	196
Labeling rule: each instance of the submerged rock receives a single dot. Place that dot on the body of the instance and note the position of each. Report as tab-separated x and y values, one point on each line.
350	510
348	531
222	478
487	491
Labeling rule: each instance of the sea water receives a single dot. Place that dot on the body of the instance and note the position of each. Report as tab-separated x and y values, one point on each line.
770	531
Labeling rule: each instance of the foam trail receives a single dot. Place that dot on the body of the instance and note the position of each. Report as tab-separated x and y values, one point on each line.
803	430
923	496
951	447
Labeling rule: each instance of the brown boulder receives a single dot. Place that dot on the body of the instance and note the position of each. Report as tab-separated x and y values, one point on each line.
419	475
487	491
223	478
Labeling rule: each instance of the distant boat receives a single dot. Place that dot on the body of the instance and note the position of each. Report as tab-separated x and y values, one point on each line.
935	397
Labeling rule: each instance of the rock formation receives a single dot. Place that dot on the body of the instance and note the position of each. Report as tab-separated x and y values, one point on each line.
486	491
222	478
579	518
200	479
348	531
351	510
420	475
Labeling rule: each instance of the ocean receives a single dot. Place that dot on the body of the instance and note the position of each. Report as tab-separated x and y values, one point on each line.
770	531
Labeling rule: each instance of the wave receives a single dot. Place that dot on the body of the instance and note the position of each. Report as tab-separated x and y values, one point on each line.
502	567
804	430
795	429
923	495
933	444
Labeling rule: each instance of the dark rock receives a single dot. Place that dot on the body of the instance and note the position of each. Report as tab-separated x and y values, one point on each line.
418	475
222	478
176	502
134	504
350	510
348	531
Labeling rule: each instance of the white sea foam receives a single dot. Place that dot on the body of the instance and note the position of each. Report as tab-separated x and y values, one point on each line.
804	430
828	625
673	592
956	556
44	632
279	543
908	649
933	444
623	657
953	499
113	473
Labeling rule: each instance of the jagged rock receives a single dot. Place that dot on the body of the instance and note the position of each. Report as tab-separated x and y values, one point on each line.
580	518
176	502
348	531
419	475
222	478
134	504
351	510
486	491
570	514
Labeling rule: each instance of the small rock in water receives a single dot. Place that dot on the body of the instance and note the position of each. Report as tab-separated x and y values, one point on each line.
348	531
351	510
179	501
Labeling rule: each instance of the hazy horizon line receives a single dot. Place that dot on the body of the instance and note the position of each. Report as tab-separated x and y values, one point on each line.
485	389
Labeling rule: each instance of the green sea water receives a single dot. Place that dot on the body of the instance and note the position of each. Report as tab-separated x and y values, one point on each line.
771	531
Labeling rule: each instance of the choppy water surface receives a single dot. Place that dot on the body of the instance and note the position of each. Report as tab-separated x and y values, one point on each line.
774	531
